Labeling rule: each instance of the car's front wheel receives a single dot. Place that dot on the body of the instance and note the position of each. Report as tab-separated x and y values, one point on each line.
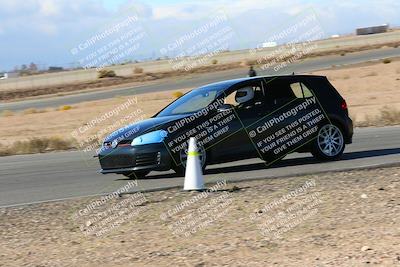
136	174
329	144
180	167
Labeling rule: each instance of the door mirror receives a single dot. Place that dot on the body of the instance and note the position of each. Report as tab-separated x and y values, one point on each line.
225	107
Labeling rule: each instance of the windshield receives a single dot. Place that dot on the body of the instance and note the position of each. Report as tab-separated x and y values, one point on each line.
192	101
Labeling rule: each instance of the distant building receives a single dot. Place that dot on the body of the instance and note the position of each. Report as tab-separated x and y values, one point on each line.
373	29
269	44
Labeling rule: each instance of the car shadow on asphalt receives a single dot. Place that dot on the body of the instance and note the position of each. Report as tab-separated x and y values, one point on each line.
285	163
304	161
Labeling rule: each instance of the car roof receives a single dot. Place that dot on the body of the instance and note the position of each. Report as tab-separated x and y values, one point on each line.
229	83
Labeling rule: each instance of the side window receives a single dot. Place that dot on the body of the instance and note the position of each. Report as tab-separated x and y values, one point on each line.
230	99
257	99
279	92
300	90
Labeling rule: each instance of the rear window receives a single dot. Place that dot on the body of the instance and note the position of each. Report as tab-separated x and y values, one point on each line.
300	90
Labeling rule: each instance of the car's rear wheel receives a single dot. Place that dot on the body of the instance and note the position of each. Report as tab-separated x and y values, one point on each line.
136	174
329	144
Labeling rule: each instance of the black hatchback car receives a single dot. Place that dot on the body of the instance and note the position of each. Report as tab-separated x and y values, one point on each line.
264	117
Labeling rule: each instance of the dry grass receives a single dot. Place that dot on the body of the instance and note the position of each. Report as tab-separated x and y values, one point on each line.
32	111
246	63
214	61
66	107
177	94
71	86
386	61
370	88
151	76
390	116
4	150
105	73
37	145
366	96
137	70
7	113
387	116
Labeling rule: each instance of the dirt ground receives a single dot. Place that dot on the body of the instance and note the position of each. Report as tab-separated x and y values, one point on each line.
367	88
56	122
332	219
73	80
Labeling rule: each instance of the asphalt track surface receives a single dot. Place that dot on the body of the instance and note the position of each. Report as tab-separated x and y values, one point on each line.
27	179
202	79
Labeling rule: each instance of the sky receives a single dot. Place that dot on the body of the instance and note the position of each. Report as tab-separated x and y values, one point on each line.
45	31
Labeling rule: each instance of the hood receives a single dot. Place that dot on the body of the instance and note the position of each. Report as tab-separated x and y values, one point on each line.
133	130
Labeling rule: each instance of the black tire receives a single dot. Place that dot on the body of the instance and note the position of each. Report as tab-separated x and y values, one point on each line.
180	168
329	143
136	174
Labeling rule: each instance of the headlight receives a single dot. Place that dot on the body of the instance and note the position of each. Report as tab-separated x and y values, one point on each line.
150	138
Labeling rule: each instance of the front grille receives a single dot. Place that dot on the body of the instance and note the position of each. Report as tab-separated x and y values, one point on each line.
115	162
145	159
124	142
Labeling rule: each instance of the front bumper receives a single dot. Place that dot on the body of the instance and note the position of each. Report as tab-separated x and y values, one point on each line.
153	157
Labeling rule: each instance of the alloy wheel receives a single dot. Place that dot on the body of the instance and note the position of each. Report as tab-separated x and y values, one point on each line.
330	140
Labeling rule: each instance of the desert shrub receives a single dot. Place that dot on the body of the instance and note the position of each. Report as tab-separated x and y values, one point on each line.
214	61
4	150
33	111
30	111
342	54
57	143
7	113
389	115
66	107
34	145
104	73
137	70
387	61
177	94
37	145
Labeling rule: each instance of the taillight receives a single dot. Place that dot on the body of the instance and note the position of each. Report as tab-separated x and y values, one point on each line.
344	105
